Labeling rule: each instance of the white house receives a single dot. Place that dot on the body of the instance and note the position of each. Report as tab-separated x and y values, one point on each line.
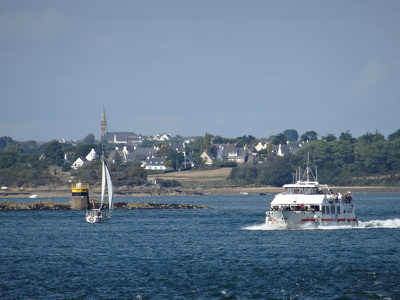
91	156
261	146
81	161
162	137
155	163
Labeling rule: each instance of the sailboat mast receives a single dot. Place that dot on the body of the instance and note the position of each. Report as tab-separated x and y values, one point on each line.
308	168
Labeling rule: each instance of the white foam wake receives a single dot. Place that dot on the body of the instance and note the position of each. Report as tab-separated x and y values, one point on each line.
391	223
264	227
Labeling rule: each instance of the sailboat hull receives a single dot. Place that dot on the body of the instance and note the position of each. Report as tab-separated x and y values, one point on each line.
97	216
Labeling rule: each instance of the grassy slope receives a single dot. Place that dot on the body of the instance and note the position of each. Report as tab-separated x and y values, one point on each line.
198	178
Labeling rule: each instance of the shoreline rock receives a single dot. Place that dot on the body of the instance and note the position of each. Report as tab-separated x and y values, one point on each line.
51	205
46	192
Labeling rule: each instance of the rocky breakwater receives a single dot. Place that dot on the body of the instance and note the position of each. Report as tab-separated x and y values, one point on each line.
155	205
37	205
51	205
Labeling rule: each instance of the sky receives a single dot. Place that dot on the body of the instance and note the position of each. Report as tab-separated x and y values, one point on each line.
225	67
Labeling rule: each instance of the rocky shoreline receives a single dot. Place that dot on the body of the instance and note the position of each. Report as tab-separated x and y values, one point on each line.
52	192
51	205
55	191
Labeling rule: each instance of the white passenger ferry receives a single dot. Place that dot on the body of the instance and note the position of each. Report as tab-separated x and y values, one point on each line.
309	203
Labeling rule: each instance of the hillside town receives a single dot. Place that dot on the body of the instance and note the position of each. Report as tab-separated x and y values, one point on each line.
138	160
127	146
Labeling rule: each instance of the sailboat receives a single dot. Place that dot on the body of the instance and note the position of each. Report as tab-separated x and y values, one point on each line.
100	214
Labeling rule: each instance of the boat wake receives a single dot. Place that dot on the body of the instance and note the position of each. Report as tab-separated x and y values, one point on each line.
391	223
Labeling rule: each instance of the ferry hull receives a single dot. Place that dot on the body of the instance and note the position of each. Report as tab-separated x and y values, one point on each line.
298	219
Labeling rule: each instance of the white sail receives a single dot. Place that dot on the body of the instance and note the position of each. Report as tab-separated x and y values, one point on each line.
109	188
103	183
98	215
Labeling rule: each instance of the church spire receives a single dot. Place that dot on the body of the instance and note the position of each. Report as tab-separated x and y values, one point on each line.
103	123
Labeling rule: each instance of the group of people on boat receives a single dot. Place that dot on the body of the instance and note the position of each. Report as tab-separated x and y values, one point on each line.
291	207
347	198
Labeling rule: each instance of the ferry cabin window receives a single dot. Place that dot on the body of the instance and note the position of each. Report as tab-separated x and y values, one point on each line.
333	209
301	191
298	191
338	209
327	209
315	207
310	191
292	191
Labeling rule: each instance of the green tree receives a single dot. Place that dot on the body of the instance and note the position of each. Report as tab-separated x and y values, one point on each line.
53	153
4	141
221	140
291	135
8	160
200	144
346	136
269	148
199	160
329	138
309	136
175	159
244	174
89	139
371	137
245	140
213	150
206	141
129	176
30	147
279	139
394	135
274	173
277	172
393	158
117	159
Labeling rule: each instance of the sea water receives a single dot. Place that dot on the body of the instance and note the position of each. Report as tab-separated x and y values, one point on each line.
224	252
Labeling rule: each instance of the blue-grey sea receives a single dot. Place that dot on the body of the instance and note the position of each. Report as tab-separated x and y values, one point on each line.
224	252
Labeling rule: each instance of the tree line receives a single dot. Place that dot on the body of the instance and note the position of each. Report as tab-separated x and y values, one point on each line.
368	160
28	164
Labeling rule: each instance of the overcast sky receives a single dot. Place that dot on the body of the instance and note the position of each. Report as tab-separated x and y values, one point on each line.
225	67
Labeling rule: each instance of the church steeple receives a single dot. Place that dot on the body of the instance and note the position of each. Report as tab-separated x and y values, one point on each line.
103	123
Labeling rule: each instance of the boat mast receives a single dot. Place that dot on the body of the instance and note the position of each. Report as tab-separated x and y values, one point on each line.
299	174
308	170
103	179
